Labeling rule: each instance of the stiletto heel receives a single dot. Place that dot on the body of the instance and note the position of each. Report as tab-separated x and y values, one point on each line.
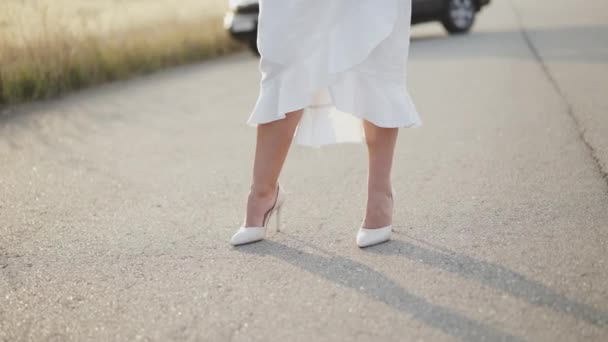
278	219
370	237
247	235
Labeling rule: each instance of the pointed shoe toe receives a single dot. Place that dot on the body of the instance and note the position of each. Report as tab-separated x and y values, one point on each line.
370	237
248	235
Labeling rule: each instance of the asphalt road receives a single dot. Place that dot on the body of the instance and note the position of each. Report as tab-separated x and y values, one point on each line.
117	203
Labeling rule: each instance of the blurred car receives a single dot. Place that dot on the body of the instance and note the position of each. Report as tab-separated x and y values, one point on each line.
457	16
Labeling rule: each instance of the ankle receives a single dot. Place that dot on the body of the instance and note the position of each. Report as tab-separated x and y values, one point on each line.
263	191
380	191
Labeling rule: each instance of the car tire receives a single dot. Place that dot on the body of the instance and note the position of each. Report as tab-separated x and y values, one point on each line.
459	16
253	46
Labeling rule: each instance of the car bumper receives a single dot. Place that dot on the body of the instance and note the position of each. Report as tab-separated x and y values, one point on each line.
241	25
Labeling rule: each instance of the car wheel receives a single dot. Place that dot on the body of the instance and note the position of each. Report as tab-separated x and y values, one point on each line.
253	46
459	16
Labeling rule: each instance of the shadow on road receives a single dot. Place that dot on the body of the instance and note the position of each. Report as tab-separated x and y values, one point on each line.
588	44
377	286
496	276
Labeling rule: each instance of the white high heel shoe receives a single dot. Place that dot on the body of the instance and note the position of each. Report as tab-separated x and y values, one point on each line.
370	237
247	235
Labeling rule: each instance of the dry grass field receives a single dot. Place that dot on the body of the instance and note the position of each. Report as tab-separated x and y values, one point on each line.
51	46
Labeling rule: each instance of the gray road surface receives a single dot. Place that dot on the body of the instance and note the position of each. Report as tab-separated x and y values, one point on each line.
116	204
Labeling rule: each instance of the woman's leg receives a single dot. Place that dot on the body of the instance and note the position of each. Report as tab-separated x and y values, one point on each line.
381	147
273	141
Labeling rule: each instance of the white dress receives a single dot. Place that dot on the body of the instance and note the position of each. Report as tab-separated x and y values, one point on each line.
340	60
